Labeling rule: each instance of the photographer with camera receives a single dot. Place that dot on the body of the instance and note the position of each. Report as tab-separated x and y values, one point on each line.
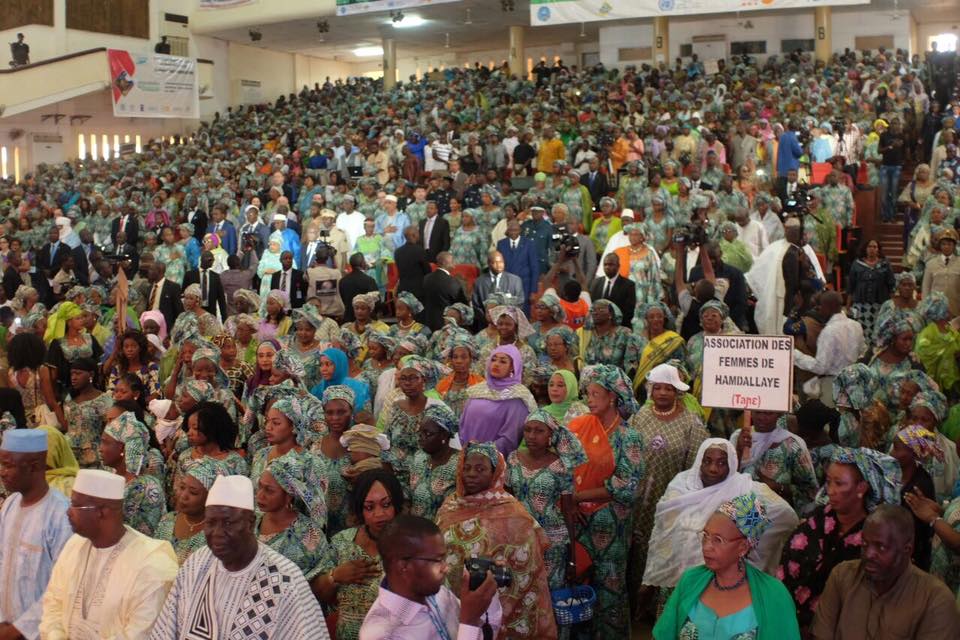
413	601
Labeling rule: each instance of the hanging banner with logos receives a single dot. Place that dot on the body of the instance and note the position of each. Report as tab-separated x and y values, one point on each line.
153	85
549	12
223	4
747	372
348	7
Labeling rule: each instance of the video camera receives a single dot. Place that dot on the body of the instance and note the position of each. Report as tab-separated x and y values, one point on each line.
477	569
796	203
690	235
564	240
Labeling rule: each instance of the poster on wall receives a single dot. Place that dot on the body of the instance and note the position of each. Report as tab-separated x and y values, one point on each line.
348	7
549	12
153	85
223	4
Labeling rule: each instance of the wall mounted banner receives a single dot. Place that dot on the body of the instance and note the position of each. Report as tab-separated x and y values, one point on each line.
153	85
223	4
548	12
748	372
348	7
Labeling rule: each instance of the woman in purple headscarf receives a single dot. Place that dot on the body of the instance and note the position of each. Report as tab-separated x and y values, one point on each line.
497	408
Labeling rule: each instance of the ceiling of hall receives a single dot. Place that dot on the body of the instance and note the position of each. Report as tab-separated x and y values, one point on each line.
487	28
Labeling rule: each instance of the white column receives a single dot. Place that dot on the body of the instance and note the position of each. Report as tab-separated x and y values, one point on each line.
389	64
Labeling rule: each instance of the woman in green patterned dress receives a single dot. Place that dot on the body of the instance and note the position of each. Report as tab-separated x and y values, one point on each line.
604	340
606	225
292	511
333	456
379	358
433	470
539	476
287	428
549	315
632	185
351	569
365	322
303	343
469	245
123	448
211	433
171	254
461	353
84	409
183	528
403	413
407	308
605	489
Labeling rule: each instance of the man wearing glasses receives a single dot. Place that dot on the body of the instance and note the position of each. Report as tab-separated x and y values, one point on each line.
33	530
413	602
110	581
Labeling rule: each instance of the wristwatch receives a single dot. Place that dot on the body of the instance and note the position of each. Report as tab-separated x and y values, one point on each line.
934	521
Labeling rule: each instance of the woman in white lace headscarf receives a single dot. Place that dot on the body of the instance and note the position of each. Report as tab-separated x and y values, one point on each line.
689	501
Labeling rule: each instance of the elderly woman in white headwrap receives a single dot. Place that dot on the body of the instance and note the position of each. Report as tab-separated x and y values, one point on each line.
690	500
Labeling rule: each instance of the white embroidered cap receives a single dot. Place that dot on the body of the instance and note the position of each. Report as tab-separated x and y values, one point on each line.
627	213
279	217
667	374
231	491
99	484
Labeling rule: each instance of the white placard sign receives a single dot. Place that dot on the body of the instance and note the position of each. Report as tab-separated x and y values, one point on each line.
747	372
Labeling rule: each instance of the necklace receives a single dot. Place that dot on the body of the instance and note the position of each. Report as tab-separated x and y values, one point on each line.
613	423
408	325
192	526
663	414
735	585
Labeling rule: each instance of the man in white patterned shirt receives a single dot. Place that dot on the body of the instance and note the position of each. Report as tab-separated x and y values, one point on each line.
413	603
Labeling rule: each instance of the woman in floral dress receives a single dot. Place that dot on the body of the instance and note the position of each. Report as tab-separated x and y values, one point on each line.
539	476
547	314
858	481
172	255
338	402
183	528
403	412
604	339
304	345
133	356
407	308
379	358
292	510
365	321
124	447
433	470
638	262
85	409
480	519
461	354
605	489
631	188
469	245
351	570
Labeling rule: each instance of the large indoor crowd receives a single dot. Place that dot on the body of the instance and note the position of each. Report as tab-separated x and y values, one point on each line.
429	363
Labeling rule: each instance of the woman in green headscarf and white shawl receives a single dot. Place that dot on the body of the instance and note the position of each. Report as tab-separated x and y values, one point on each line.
269	263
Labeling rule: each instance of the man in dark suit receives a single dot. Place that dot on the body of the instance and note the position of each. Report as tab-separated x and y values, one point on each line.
736	296
434	232
48	264
224	228
165	295
595	182
290	281
444	289
615	288
198	218
355	283
11	275
787	186
495	280
212	294
521	259
127	223
412	264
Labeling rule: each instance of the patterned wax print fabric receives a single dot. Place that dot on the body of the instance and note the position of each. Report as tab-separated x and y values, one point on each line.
430	485
144	504
493	524
183	547
787	462
85	422
353	600
302	543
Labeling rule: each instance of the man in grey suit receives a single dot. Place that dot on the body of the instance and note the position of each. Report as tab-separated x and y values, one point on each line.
495	280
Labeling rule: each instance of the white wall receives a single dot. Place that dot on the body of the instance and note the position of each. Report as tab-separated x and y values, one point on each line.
927	30
847	25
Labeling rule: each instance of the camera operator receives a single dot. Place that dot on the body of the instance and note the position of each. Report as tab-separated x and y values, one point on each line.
413	601
572	292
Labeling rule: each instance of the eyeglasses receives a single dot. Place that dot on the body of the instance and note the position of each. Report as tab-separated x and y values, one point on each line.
88	507
715	540
437	561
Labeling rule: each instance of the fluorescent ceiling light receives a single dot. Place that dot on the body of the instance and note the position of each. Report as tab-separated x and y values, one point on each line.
368	52
408	22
